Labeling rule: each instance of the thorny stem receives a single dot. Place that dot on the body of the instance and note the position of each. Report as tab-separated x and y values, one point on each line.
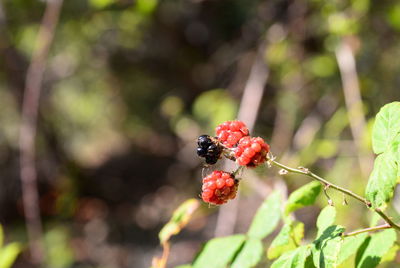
328	184
371	229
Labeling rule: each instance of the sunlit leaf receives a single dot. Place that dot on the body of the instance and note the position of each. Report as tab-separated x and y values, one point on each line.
219	252
350	246
374	248
146	6
249	255
179	219
184	266
390	254
382	180
386	127
293	259
288	239
304	196
100	3
327	247
8	254
325	219
267	217
59	252
1	235
393	17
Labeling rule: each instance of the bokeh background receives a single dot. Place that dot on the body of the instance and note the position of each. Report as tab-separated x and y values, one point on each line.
129	85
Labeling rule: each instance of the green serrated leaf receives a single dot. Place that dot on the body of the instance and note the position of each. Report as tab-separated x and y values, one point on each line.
325	219
327	247
8	254
219	252
293	259
386	127
382	180
374	248
304	196
250	254
267	217
184	266
350	246
288	239
179	219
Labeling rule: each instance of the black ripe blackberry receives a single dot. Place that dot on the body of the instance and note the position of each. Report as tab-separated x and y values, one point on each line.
201	151
209	149
204	141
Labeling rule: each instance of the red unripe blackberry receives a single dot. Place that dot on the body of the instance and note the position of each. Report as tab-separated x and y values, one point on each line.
219	187
251	152
230	132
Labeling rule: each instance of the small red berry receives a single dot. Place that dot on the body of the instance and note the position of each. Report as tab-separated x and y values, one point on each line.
251	152
230	132
219	187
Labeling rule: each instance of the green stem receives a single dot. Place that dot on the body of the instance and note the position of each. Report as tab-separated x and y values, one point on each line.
371	229
328	184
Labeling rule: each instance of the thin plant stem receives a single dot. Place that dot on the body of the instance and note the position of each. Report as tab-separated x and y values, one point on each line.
161	262
28	129
370	229
327	184
387	219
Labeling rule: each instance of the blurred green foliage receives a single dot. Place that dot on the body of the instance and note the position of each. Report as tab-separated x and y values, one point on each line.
8	252
129	85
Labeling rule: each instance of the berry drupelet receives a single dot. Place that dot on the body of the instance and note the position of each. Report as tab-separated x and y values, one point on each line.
230	132
219	187
251	152
209	149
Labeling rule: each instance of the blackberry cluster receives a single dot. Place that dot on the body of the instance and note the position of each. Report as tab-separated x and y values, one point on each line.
219	187
233	140
209	149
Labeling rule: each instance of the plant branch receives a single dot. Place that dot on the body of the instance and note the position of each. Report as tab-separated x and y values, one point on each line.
370	229
30	106
327	184
161	262
387	219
